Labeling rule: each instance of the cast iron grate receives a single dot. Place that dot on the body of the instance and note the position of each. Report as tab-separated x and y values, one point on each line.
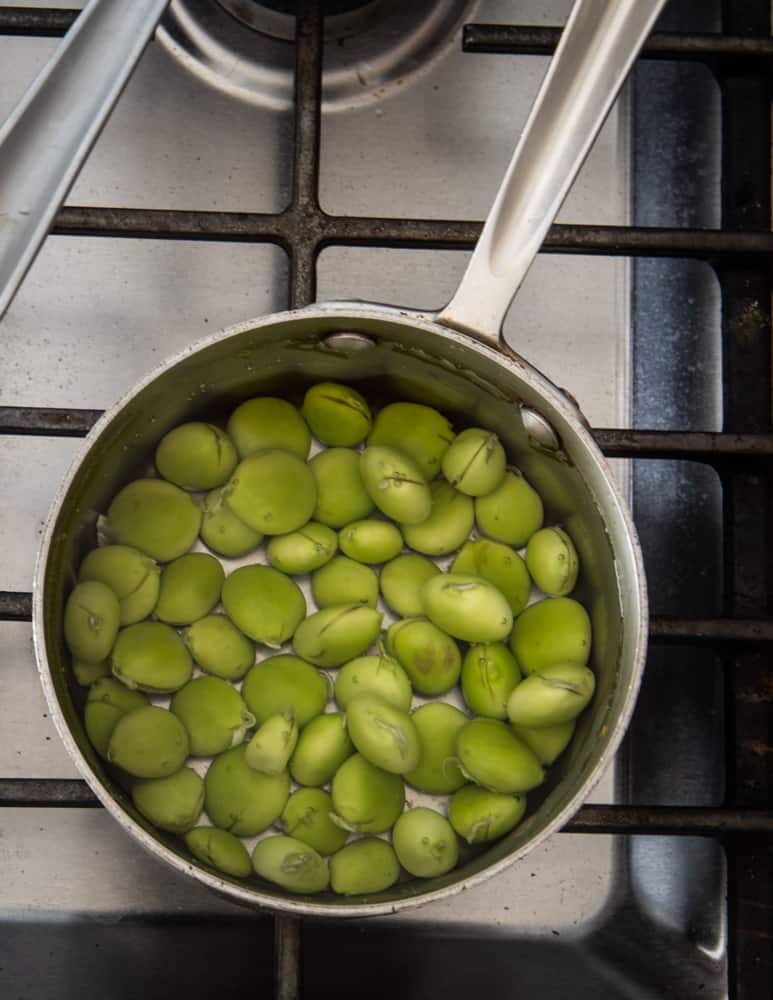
742	455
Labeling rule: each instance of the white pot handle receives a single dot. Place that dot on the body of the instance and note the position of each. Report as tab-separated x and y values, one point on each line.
50	132
598	46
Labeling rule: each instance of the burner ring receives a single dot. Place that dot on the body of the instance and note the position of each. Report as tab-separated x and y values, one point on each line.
247	49
277	17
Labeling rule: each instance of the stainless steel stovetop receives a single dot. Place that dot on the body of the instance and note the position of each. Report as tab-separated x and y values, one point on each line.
638	345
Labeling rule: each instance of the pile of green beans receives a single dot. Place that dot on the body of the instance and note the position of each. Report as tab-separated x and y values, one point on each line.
282	735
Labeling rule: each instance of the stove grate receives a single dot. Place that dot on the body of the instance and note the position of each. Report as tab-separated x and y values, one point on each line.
742	454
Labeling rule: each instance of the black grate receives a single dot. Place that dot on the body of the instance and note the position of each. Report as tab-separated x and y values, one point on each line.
740	253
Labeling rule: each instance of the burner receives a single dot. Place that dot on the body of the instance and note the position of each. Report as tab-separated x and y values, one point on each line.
343	18
246	8
246	48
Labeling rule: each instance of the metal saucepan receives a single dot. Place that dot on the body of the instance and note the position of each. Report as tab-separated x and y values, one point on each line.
456	361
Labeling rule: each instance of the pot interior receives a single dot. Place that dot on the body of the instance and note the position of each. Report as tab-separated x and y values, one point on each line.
404	357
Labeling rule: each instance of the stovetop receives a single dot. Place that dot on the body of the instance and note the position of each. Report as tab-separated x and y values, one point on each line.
178	226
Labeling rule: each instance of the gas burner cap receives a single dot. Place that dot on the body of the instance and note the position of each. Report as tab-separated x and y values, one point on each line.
375	47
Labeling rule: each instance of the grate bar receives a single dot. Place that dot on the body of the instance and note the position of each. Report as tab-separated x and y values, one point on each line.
47	421
162	223
304	213
17	606
40	22
308	224
711	629
482	38
620	819
679	821
287	958
690	445
694	446
37	793
539	41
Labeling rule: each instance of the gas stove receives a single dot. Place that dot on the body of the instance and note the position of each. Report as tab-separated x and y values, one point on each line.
242	173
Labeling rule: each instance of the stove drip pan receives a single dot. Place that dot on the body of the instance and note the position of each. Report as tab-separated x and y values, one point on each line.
372	50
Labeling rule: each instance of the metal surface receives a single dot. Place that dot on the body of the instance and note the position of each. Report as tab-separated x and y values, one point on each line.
748	496
532	40
50	132
585	916
246	49
598	47
411	357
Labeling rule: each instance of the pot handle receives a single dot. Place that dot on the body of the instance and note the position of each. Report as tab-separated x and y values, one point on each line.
597	48
50	132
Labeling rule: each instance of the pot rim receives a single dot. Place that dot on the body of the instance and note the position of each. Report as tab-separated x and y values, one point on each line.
304	907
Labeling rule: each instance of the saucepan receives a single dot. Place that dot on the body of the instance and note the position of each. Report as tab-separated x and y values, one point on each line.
455	360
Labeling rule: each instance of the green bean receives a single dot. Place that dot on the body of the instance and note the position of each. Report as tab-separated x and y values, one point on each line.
437	725
383	733
489	674
419	431
344	581
480	816
213	713
323	745
492	756
291	864
337	634
219	849
511	513
223	531
401	581
380	675
151	656
556	630
395	484
240	799
307	818
284	683
467	607
370	541
173	803
449	523
190	588
196	456
425	843
148	742
133	577
366	866
341	494
475	462
91	617
272	745
267	422
552	561
366	799
218	647
87	673
272	491
549	743
108	701
264	604
551	696
303	550
336	414
500	566
155	517
430	657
